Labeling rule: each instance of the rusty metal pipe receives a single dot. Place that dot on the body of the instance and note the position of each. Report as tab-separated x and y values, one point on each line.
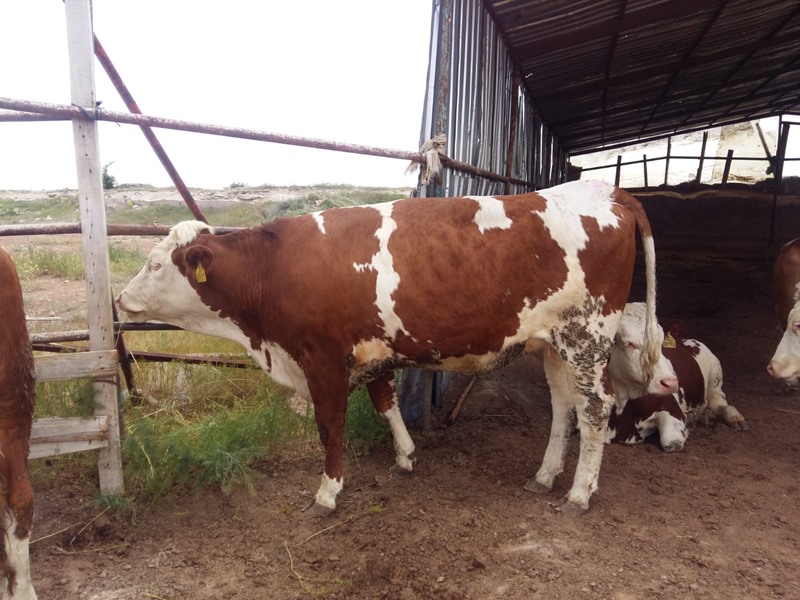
126	96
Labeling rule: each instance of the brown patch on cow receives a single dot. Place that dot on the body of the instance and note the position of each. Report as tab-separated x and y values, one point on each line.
640	409
381	392
464	289
286	277
608	264
633	206
690	378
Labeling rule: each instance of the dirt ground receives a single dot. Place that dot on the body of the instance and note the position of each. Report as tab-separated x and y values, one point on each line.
719	520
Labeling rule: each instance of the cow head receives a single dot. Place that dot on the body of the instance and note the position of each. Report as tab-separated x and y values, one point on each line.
785	363
625	364
162	290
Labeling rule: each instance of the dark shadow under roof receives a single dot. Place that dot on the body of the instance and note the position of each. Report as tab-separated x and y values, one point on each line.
606	73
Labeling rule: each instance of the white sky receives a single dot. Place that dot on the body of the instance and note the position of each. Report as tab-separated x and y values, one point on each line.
351	71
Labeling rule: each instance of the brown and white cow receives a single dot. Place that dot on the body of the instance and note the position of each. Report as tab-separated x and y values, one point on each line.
785	363
698	396
336	299
16	418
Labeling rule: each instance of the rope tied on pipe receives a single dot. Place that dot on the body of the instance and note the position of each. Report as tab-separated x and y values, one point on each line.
86	115
432	151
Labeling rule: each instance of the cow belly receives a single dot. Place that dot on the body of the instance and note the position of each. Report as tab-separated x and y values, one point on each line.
367	369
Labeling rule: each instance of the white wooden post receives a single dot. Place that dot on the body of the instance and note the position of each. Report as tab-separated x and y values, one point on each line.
93	229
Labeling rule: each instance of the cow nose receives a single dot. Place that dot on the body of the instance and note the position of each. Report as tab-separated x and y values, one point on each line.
669	384
771	369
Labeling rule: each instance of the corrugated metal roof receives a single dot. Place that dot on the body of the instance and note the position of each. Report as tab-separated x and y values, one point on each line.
608	72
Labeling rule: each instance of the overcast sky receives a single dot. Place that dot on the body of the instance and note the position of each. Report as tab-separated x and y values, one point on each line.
351	71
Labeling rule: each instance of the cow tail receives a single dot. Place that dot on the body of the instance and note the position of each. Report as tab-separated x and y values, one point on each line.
652	351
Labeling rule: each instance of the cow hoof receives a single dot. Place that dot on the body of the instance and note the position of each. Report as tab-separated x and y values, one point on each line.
672	446
404	464
316	510
401	470
572	509
537	488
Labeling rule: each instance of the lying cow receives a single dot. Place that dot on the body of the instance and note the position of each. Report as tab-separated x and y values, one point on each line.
785	363
336	299
699	394
16	418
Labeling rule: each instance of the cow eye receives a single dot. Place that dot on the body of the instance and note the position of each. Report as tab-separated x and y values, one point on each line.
153	266
795	326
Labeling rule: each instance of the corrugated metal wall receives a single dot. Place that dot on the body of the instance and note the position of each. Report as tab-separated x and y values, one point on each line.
470	97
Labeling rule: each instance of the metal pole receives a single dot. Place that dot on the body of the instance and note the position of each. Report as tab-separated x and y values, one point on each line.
126	96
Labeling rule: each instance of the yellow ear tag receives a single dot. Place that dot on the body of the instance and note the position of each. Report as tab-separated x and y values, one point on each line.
669	341
200	273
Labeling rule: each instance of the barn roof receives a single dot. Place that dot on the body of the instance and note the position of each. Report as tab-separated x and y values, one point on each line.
608	72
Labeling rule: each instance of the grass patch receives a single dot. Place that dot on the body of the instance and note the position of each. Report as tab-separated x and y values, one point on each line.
73	398
57	209
36	262
365	428
213	450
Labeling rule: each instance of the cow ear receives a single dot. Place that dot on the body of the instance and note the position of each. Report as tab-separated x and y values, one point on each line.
198	261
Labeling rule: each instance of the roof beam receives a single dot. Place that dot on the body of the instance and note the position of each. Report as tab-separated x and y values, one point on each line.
629	20
632	77
584	117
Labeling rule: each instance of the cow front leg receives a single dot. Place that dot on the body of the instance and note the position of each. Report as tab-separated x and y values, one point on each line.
384	398
563	401
17	521
717	402
330	408
672	432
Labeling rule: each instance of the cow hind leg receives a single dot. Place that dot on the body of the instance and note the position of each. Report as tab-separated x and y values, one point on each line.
562	399
384	398
593	409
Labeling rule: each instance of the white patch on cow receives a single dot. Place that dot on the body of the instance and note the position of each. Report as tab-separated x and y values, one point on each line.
160	292
672	432
491	213
362	267
17	551
319	220
281	367
328	490
785	363
388	279
371	350
184	233
403	444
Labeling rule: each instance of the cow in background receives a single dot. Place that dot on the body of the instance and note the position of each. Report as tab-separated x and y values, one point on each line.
340	298
785	363
699	396
16	418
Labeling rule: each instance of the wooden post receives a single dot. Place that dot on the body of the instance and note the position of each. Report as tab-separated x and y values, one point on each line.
702	158
93	229
666	166
512	129
644	162
619	169
780	155
726	171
